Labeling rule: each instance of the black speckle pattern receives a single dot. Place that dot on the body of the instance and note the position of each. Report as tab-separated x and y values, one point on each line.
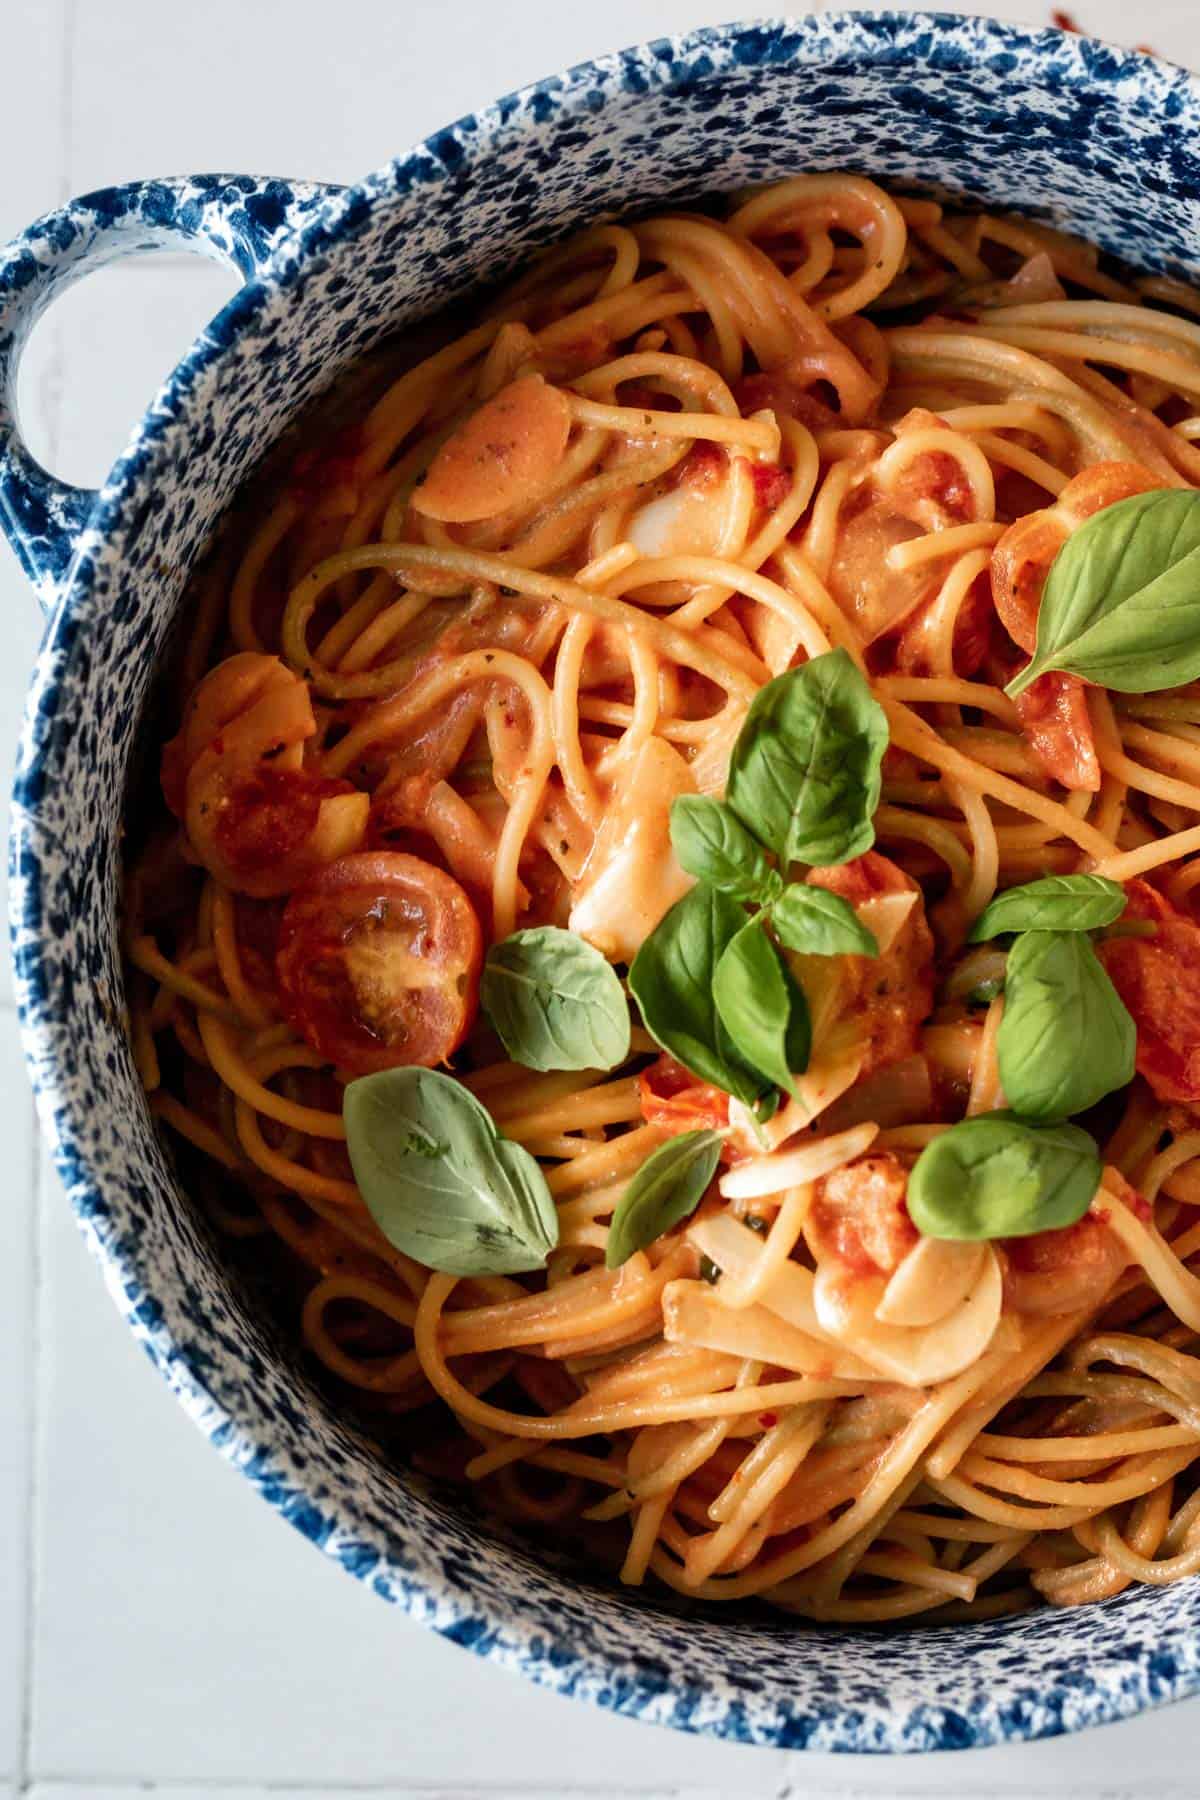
1058	126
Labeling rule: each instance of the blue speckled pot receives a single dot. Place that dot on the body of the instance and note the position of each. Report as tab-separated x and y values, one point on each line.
1107	141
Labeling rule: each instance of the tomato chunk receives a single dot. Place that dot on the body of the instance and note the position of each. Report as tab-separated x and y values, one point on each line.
672	1096
1158	978
378	962
859	1215
1061	1271
892	994
255	817
1056	725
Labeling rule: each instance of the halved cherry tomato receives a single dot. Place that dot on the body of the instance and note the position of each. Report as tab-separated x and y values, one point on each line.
893	993
378	962
859	1214
254	816
1022	558
505	453
1158	978
249	706
672	1096
260	829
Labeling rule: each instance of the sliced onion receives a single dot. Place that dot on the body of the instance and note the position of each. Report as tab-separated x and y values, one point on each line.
760	1176
900	1094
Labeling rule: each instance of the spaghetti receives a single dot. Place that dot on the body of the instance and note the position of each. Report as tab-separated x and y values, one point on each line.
444	677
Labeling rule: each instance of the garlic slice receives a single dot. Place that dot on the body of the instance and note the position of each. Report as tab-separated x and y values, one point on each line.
935	1276
845	1307
885	915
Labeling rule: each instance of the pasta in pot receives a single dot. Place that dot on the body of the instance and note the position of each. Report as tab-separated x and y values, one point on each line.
672	915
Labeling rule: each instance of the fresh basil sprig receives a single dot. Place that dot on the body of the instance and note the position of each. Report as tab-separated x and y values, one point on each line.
555	1001
1065	1039
1121	604
671	978
762	1006
711	843
804	782
816	922
996	1176
805	772
668	1187
438	1179
1055	903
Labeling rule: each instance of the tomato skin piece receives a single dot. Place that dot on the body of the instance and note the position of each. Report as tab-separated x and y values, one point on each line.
673	1097
772	485
859	1215
1158	979
1057	726
351	941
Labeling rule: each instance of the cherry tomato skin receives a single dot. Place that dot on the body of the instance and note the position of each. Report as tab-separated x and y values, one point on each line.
1056	724
672	1096
378	962
1158	978
261	829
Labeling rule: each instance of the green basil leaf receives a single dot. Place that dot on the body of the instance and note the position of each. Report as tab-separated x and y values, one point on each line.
668	1187
995	1176
671	979
554	1001
1065	1039
1055	903
711	843
762	1007
815	922
1121	604
805	771
439	1180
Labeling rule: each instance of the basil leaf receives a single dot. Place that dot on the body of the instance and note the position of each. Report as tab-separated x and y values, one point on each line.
668	1187
762	1006
711	843
805	770
995	1176
1055	903
438	1179
671	979
1121	604
1065	1039
554	1001
818	923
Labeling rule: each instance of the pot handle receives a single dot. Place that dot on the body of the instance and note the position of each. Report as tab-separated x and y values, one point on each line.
238	219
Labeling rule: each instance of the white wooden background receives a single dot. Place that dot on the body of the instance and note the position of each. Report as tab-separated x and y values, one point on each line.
159	1626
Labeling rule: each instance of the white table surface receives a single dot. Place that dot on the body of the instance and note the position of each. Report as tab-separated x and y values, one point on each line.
159	1626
